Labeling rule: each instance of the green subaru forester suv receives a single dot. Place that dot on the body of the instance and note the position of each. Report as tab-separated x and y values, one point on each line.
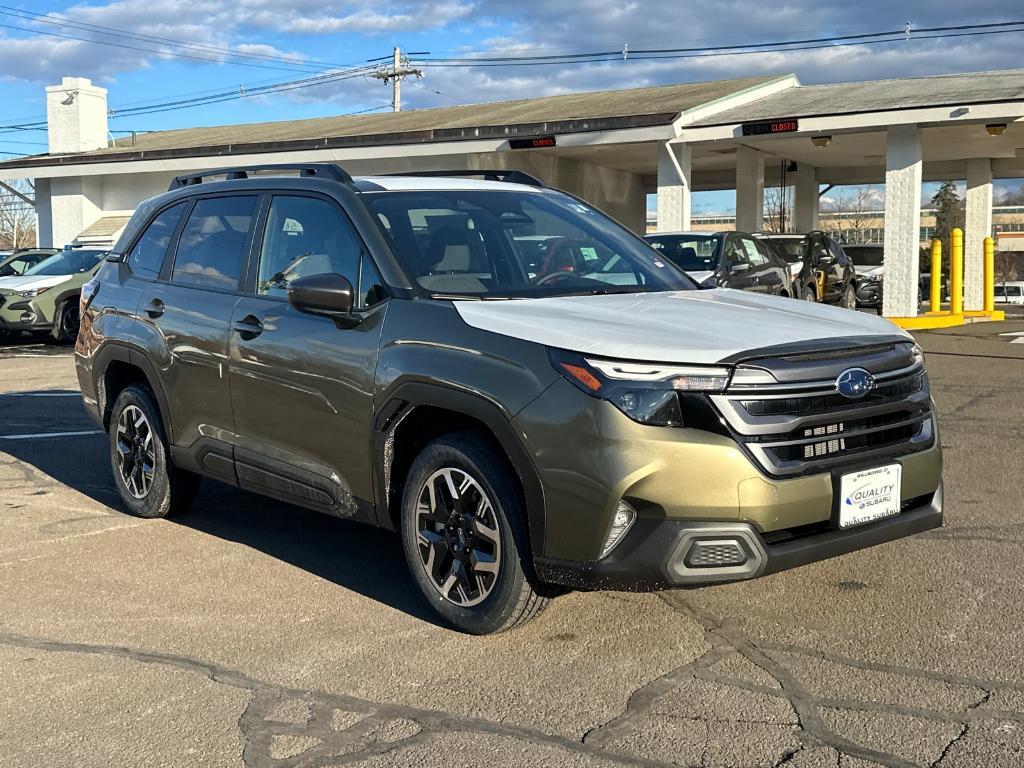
522	388
45	297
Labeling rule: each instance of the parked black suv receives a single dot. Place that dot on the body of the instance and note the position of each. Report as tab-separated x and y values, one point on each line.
725	260
398	351
821	270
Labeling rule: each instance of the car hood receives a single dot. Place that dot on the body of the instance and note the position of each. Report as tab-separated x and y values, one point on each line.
31	282
864	270
705	326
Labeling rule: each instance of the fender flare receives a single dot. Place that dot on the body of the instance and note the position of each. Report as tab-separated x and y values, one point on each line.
405	398
117	351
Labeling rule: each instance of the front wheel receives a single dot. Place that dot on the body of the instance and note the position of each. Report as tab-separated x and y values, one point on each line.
849	300
464	537
807	294
148	483
65	323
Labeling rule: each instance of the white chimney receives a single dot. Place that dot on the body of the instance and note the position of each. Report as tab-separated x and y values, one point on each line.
76	116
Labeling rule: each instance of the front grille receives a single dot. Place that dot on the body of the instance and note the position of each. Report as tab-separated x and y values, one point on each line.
803	426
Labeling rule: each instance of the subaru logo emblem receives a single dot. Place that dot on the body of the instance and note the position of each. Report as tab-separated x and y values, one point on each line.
854	383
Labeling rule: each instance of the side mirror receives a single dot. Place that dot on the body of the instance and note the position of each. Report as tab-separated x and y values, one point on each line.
740	266
826	258
329	295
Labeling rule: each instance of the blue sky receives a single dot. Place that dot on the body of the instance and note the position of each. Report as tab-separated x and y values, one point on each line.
241	44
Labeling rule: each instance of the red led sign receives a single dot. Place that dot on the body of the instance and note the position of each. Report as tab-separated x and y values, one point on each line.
766	127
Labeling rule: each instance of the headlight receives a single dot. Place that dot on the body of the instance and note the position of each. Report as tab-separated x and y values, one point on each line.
32	292
918	354
646	392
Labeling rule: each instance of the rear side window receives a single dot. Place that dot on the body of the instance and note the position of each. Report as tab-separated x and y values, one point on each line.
211	250
147	257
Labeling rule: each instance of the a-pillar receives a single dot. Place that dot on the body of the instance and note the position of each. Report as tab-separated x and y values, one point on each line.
977	226
749	190
805	203
902	221
674	189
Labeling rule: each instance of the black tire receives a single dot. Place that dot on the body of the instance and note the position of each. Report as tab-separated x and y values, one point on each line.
65	322
511	599
807	293
849	298
170	489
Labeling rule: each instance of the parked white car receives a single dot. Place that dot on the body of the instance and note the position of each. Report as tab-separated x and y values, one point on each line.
1010	292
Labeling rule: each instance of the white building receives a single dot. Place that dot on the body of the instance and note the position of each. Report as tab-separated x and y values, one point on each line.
612	148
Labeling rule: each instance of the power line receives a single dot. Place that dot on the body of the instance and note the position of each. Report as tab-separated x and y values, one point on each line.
866	38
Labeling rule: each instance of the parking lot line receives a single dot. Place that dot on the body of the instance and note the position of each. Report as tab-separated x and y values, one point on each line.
40	394
40	435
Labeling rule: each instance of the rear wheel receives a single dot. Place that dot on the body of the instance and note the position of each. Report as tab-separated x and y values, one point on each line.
65	322
807	294
148	483
464	538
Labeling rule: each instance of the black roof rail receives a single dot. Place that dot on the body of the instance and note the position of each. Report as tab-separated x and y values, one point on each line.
512	177
320	170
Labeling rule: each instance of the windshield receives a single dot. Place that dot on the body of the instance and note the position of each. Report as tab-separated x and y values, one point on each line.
67	263
864	256
510	244
694	253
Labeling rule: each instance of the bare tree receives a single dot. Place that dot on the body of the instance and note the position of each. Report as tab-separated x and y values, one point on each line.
852	214
17	216
778	209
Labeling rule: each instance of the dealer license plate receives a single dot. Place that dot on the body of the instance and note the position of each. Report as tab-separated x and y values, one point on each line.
869	495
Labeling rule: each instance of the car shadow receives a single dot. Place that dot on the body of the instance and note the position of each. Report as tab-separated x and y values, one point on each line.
352	555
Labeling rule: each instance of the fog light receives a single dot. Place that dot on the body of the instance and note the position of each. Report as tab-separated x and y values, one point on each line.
622	521
27	317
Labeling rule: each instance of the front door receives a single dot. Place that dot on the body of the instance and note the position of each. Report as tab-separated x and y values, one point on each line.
738	269
302	388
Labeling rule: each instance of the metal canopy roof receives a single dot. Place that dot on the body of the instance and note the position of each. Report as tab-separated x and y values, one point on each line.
878	95
601	110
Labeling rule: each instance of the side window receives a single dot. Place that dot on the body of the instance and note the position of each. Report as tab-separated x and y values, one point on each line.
147	256
305	236
754	255
211	250
734	252
766	252
371	286
837	250
819	249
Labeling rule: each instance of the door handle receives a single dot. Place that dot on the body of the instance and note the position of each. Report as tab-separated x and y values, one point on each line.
249	327
155	308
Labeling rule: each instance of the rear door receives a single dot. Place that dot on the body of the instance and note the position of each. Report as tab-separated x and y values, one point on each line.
188	309
302	387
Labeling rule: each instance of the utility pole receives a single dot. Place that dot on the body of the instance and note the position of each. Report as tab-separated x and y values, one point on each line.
399	70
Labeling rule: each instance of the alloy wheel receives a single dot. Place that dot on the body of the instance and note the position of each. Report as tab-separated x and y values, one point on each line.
458	537
136	451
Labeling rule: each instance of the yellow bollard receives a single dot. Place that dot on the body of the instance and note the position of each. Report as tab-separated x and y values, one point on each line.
956	272
990	275
936	275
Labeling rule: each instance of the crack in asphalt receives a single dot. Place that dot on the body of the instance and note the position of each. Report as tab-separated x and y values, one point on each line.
726	640
380	727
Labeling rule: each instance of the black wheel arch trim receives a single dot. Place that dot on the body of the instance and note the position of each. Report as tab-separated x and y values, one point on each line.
119	351
406	397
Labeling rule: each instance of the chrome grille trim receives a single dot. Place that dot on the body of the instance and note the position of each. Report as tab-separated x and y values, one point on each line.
865	427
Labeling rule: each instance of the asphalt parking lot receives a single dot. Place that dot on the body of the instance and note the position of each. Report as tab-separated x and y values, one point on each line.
249	633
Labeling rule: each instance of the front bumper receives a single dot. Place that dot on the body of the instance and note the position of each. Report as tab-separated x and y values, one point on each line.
22	314
869	294
659	554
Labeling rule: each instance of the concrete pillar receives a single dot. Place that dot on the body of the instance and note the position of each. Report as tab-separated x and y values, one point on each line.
44	214
674	188
74	204
76	116
977	226
749	190
902	220
805	203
